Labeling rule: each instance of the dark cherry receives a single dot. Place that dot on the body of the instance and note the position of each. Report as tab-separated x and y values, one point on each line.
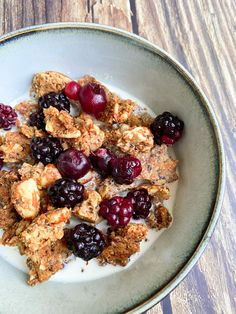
93	99
101	159
73	163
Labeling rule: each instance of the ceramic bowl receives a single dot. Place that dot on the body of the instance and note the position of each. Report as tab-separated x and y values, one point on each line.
131	65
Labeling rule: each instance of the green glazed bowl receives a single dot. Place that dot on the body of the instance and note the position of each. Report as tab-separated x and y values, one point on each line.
145	72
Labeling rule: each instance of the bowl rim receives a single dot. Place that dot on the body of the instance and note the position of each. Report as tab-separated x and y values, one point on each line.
158	295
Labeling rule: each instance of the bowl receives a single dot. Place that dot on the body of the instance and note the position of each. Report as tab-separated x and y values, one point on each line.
134	67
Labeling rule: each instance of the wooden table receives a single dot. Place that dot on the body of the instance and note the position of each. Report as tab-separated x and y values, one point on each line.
200	34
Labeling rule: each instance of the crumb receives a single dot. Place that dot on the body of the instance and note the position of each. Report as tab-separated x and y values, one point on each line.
26	198
49	176
45	229
92	137
11	235
46	82
16	147
25	108
122	243
135	139
158	192
157	166
132	232
117	110
60	123
109	188
143	119
28	171
31	131
8	215
160	218
89	208
46	261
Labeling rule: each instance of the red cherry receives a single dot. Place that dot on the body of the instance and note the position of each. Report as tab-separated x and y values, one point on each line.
93	99
72	90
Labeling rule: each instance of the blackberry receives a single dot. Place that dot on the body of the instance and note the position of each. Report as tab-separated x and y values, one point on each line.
66	193
167	129
37	119
125	169
141	201
85	241
73	163
45	149
117	211
59	101
8	117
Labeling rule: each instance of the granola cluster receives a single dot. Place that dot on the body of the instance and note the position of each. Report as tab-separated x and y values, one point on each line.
27	216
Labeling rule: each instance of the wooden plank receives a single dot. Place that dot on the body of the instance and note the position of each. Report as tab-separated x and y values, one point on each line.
114	13
200	34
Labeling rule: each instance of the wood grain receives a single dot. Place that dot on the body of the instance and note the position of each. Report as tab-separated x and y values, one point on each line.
201	35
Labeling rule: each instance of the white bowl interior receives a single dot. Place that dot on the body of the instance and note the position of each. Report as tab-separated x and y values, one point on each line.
150	78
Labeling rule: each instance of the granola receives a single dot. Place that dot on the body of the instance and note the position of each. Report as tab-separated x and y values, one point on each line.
157	166
46	82
135	139
8	214
15	148
123	243
60	124
92	137
88	210
26	198
160	218
127	157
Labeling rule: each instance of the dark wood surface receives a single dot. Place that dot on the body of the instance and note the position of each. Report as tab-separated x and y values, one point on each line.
201	34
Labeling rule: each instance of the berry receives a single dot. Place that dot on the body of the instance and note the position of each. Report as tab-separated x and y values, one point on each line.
72	90
8	117
45	149
66	193
167	129
93	99
117	211
73	163
100	160
125	169
37	119
59	101
85	241
141	201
